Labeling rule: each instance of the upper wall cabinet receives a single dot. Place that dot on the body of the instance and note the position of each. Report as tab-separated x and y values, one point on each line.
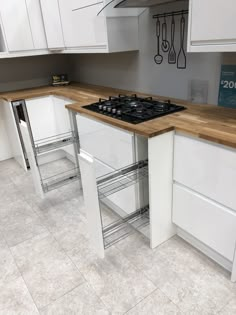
81	26
22	25
212	25
86	31
52	23
36	24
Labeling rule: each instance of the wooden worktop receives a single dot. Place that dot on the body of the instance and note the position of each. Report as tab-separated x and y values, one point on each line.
208	122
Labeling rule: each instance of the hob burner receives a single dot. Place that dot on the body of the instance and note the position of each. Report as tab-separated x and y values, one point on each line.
133	109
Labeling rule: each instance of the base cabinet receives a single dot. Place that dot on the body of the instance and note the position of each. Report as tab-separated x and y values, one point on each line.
204	203
49	147
206	168
209	222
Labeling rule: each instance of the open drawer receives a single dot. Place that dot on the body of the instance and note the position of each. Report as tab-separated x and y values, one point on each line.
106	225
53	160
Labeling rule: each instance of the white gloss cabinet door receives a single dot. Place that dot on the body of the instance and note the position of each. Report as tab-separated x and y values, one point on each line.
209	222
52	24
36	23
81	25
62	119
207	168
41	112
112	146
16	25
212	25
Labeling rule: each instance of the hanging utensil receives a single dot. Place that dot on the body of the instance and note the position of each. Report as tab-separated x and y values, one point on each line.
158	58
172	53
165	45
181	60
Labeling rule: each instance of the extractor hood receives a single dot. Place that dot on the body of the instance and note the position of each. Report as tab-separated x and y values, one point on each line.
142	3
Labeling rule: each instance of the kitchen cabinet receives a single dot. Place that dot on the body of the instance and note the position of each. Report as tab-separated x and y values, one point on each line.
150	174
22	25
81	26
16	25
52	24
84	31
206	168
209	222
41	109
36	24
212	26
43	145
50	147
204	202
105	143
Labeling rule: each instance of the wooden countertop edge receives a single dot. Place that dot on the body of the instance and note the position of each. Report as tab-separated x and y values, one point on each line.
193	122
152	132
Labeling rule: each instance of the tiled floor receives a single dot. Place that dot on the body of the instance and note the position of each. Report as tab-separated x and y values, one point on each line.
48	267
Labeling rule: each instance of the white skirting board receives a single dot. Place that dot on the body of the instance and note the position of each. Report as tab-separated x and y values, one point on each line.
209	252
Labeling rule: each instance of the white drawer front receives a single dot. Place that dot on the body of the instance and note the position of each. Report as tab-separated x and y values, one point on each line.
108	144
209	222
206	168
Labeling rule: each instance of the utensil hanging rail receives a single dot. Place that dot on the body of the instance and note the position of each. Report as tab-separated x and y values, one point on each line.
174	13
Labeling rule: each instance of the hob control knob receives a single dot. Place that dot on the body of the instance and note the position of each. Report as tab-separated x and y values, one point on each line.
100	107
104	108
113	110
119	112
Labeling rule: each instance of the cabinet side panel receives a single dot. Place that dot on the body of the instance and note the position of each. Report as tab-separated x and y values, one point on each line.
160	155
5	145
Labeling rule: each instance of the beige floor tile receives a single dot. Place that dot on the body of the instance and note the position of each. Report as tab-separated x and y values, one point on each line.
17	212
118	283
82	254
8	268
187	277
81	301
155	303
230	308
19	232
71	235
47	271
15	299
65	217
9	194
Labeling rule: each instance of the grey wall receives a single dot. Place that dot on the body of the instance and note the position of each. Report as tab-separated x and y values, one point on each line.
137	70
18	73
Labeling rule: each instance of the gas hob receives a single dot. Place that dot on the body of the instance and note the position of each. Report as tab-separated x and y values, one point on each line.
133	109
